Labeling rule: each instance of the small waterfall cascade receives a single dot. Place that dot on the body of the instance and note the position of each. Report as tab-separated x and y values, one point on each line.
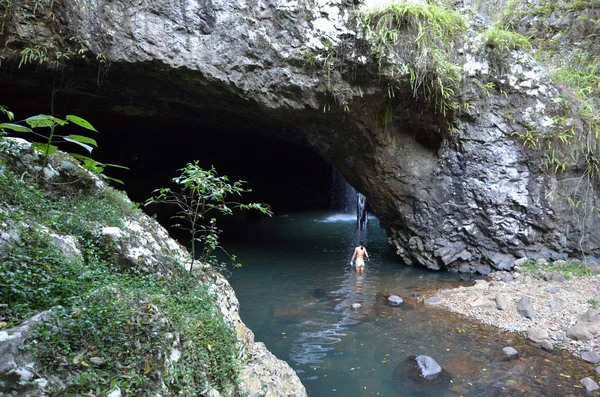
345	198
361	212
343	195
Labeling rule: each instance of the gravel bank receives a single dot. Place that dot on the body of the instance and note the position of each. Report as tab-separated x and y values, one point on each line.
558	306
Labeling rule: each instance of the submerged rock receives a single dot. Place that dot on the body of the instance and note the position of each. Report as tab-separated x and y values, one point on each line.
394	300
429	368
537	334
510	351
319	294
590	357
421	375
589	384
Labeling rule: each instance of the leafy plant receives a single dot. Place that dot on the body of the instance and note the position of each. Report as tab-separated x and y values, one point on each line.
200	196
34	124
595	303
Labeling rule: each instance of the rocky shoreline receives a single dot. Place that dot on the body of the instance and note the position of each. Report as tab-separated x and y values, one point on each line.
551	310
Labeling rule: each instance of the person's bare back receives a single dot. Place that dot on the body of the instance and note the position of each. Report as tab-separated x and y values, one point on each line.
359	253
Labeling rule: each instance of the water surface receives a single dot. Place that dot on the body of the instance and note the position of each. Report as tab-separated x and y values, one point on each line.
296	289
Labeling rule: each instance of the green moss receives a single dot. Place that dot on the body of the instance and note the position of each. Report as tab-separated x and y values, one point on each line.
568	269
502	40
413	42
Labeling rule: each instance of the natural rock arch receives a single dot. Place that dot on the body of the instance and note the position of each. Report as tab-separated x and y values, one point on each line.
469	200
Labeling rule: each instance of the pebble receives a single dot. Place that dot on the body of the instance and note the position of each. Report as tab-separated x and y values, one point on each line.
510	351
590	357
589	384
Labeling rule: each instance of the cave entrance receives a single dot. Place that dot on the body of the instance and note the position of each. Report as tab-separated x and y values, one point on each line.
155	141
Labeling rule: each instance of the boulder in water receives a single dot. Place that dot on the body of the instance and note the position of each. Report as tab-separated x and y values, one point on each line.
394	300
421	375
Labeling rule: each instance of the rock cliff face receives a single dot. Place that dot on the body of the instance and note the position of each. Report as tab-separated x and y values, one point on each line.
457	190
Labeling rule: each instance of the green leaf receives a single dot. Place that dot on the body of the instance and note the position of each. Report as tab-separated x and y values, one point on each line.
117	166
43	120
80	122
110	178
44	148
83	145
81	139
15	127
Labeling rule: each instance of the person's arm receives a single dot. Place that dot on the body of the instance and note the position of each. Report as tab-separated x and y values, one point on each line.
367	254
353	255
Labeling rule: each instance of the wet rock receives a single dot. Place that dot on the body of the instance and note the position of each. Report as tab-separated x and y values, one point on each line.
590	357
362	314
434	300
503	301
597	369
589	384
23	374
428	366
463	365
510	351
421	374
546	345
525	309
319	293
537	334
554	290
395	300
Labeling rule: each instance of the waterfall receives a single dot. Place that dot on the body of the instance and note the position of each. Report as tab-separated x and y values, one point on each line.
345	198
343	195
361	212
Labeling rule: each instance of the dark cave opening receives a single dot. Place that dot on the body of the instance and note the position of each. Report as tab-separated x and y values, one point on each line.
286	175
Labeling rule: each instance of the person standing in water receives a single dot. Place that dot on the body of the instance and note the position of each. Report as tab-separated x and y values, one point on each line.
359	253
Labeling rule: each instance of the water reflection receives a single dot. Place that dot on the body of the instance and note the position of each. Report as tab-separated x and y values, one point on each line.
297	291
